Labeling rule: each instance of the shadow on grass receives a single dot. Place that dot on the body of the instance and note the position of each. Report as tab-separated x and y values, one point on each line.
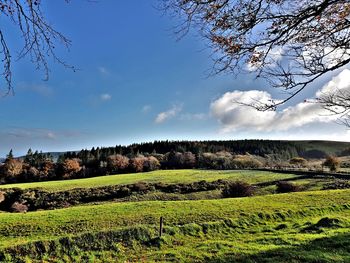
321	250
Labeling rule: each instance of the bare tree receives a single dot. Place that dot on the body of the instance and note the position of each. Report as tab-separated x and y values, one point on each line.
338	103
39	37
290	43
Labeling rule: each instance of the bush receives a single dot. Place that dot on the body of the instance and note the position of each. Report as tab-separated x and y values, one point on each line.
298	161
287	187
151	164
246	161
332	163
19	208
238	189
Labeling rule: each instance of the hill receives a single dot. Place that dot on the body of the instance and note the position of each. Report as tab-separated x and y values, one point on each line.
320	149
94	225
274	228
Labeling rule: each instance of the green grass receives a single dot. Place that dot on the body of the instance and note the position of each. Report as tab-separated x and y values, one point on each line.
19	228
264	228
166	176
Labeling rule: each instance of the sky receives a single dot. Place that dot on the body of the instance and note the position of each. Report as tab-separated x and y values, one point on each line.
136	82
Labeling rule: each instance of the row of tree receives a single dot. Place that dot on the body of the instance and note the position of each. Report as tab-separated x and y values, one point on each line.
279	149
40	167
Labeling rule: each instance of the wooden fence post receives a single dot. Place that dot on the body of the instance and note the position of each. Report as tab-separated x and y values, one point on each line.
161	226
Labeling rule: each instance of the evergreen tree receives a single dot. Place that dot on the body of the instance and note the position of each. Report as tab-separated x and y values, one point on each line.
10	155
29	157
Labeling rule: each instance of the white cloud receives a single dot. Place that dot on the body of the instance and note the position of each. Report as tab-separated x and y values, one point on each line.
330	56
146	108
341	82
233	116
105	97
166	115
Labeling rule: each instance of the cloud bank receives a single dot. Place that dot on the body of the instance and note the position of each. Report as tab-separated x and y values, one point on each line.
233	116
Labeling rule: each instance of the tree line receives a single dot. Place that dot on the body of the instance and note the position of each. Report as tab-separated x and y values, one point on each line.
282	149
144	157
41	167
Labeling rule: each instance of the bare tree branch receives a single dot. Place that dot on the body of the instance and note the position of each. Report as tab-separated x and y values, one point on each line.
290	43
39	37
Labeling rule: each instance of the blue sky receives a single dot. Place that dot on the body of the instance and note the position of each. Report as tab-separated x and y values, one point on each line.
135	83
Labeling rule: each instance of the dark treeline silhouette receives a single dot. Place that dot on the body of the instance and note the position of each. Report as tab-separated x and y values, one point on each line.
284	149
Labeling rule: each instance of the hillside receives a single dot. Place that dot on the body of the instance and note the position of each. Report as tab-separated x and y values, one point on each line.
166	176
199	224
319	149
270	228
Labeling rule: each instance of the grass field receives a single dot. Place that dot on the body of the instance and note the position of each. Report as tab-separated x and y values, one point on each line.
254	218
165	176
310	226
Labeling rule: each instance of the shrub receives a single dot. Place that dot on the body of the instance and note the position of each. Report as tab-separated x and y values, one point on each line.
299	161
237	189
332	163
151	163
286	187
207	160
19	207
246	161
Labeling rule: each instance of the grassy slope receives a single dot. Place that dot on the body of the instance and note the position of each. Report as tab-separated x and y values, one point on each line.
19	228
199	232
166	176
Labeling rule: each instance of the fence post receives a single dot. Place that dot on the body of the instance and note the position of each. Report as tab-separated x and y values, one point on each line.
161	226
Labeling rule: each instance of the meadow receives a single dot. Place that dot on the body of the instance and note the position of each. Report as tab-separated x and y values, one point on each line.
308	226
165	176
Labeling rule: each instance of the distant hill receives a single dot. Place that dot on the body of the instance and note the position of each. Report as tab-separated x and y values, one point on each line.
55	155
320	149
